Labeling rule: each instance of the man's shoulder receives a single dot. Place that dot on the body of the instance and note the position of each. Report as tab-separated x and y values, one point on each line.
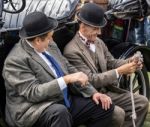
72	45
99	40
73	41
16	52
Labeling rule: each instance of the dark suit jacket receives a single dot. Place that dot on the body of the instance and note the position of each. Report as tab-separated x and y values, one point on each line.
78	55
30	84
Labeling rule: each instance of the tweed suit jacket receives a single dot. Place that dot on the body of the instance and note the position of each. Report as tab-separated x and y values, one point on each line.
78	55
31	86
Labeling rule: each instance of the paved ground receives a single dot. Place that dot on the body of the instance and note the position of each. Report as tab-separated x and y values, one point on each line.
147	121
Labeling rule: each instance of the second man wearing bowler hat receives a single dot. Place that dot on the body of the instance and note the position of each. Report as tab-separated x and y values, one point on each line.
43	89
90	55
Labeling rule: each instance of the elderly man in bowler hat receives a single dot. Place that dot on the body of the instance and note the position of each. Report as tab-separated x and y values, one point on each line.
90	55
43	89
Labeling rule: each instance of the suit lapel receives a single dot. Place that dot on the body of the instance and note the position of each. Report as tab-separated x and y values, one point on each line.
54	52
37	58
100	56
85	52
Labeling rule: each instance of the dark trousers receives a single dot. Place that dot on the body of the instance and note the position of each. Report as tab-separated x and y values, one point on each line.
82	111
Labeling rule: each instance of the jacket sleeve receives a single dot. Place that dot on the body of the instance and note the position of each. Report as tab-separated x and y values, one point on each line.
76	88
75	57
96	79
21	80
112	63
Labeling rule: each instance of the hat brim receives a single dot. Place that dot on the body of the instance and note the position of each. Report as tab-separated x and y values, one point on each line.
23	34
102	24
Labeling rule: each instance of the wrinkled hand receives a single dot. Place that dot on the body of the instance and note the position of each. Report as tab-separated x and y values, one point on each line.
138	59
139	65
128	68
76	77
104	99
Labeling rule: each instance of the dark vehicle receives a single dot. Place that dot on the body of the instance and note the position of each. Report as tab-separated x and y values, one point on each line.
125	11
14	6
10	23
63	11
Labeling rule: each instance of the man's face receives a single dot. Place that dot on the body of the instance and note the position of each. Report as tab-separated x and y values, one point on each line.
90	32
42	44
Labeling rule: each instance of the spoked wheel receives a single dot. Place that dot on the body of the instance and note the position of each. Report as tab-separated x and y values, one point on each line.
14	6
1	7
139	82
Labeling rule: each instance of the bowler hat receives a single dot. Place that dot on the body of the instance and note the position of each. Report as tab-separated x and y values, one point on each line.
35	24
92	14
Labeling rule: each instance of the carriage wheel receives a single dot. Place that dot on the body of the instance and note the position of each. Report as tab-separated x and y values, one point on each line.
14	6
140	82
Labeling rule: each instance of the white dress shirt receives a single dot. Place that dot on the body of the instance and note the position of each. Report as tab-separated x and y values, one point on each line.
60	80
84	40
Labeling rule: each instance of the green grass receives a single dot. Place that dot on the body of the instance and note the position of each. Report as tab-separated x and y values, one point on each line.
147	121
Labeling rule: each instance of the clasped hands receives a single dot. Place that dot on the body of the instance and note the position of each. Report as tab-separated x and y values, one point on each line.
135	63
97	97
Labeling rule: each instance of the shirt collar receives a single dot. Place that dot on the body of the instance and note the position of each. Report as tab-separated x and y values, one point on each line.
82	37
30	44
84	40
33	47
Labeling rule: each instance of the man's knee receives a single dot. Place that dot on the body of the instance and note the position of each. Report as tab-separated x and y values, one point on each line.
55	114
58	111
145	101
61	110
118	116
142	101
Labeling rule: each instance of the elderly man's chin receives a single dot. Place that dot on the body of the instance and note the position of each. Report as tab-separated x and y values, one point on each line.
93	38
40	50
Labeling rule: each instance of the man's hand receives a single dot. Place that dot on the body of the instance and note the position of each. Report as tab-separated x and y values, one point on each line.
128	68
138	59
76	77
104	99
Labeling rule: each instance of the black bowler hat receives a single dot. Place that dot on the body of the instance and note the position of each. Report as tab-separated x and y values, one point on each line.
36	24
92	14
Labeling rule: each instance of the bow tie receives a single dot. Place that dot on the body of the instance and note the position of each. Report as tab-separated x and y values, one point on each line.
87	42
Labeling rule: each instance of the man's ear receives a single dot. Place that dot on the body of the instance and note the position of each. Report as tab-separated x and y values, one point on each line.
37	41
82	27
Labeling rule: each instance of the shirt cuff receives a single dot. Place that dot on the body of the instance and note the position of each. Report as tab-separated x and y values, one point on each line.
61	83
117	73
